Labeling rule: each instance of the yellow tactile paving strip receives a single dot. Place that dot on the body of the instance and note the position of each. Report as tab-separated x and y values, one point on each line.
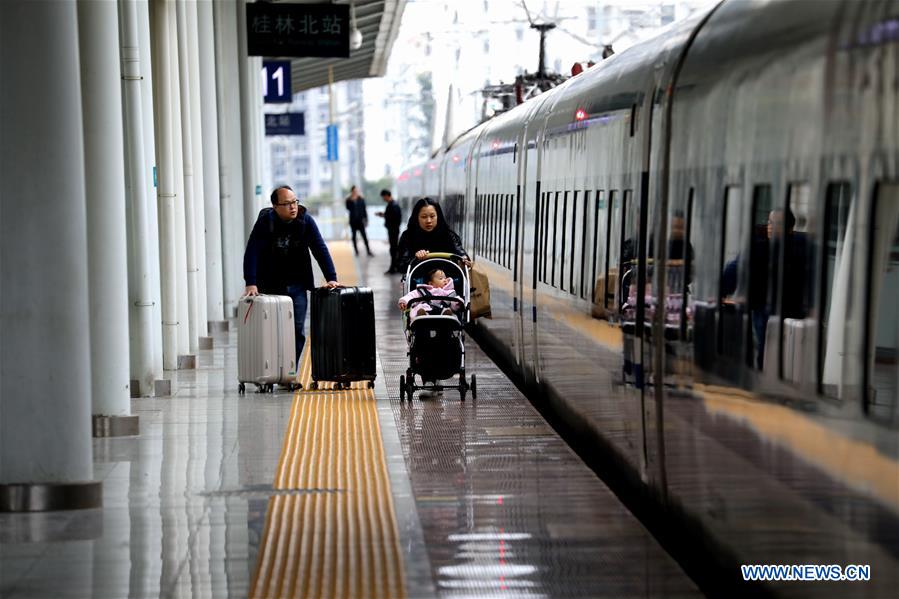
337	537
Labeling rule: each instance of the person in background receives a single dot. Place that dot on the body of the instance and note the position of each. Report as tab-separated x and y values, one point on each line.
355	205
393	217
276	260
427	232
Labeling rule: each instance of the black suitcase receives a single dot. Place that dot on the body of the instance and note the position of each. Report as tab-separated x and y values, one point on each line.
343	335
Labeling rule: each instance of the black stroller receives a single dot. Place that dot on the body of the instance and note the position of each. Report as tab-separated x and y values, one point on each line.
436	341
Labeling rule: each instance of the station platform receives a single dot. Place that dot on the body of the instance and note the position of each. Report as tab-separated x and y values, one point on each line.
348	493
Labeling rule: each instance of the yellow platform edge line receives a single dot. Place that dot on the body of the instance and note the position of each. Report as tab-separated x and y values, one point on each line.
341	538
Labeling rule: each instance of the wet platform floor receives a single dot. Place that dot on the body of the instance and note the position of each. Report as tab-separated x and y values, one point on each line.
487	500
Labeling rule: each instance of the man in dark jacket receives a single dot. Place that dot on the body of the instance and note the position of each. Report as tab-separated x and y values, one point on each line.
355	205
393	217
276	260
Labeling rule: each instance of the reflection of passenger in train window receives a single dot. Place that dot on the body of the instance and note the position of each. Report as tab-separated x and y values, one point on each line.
678	248
763	276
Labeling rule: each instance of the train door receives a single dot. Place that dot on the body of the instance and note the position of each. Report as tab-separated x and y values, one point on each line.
632	284
535	236
518	215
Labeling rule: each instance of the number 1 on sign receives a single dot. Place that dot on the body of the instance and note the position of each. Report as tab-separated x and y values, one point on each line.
279	75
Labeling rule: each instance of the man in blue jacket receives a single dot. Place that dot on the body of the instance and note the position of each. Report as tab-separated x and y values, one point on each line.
276	260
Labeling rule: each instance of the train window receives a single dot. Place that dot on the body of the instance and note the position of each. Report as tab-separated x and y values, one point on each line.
598	258
563	231
555	256
510	220
517	230
834	291
629	248
486	240
613	248
478	221
687	280
575	222
757	265
732	296
538	230
881	363
542	239
493	226
585	218
504	230
792	252
482	225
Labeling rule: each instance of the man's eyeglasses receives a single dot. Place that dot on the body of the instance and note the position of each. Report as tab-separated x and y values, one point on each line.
288	204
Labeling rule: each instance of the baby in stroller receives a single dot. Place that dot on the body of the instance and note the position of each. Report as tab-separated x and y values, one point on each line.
435	326
438	285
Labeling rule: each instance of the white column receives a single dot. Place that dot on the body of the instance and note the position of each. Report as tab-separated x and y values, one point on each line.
184	343
187	157
193	53
214	292
141	322
263	160
163	11
248	78
45	384
196	135
146	93
104	160
231	176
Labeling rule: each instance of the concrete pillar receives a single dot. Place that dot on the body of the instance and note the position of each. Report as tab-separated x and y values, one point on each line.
163	10
186	358
45	370
196	127
162	387
248	77
187	157
211	197
137	203
234	237
104	159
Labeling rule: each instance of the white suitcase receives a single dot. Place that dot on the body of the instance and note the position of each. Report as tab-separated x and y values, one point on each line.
266	345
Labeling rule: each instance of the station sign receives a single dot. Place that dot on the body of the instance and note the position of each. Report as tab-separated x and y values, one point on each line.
276	82
332	143
298	30
288	123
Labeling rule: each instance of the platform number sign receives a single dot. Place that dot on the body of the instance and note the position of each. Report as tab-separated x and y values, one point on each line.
276	81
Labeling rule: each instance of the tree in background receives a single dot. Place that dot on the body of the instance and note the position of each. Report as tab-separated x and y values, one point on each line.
371	190
422	120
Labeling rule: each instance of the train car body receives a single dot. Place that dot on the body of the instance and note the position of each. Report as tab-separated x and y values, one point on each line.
646	279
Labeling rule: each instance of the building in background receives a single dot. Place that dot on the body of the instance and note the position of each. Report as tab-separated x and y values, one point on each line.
386	123
302	161
481	42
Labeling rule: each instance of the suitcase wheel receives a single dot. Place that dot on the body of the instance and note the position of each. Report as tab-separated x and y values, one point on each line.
313	385
371	384
241	389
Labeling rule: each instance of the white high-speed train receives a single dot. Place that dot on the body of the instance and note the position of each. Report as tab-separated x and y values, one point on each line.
693	253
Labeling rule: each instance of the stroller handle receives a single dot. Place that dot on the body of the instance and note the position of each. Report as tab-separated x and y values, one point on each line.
433	298
443	255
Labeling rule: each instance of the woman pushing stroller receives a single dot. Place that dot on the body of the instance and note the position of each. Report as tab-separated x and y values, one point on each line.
426	232
436	268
